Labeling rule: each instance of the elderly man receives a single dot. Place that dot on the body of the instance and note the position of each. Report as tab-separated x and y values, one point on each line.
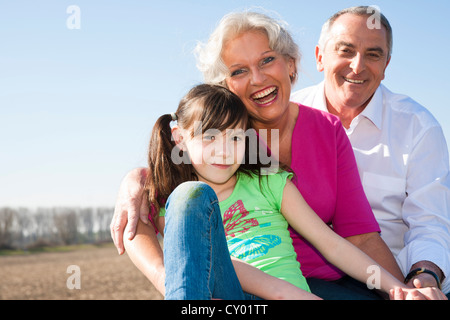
399	146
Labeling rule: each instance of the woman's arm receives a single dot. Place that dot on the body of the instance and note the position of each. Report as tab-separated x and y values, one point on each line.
334	248
260	284
130	205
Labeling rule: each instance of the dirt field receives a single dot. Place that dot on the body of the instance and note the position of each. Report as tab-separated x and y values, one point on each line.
103	275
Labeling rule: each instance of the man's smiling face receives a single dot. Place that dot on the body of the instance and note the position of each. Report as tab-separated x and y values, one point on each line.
354	60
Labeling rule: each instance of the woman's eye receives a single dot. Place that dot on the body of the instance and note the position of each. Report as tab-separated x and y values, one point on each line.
267	60
237	72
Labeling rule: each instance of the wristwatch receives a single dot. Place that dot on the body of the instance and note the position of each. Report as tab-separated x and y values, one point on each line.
418	271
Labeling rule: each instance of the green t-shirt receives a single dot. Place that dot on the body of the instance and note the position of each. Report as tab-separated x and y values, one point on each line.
257	232
255	229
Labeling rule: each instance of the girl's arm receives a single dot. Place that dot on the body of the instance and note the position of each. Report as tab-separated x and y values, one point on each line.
146	253
334	248
260	284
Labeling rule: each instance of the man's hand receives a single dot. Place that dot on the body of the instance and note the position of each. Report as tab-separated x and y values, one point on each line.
130	206
424	280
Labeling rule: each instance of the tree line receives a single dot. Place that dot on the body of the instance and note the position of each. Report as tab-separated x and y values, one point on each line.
25	229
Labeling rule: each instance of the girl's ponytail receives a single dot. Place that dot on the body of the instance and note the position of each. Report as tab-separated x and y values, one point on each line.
164	174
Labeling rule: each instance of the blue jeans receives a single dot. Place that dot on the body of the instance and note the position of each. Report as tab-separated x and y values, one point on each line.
196	257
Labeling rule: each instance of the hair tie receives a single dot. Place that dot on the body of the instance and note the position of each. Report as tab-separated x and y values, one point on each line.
174	116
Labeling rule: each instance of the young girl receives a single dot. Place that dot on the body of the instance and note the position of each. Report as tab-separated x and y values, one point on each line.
212	202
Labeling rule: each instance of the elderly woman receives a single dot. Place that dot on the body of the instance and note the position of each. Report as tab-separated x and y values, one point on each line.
256	58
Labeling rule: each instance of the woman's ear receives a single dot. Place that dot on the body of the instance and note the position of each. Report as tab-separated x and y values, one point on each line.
177	134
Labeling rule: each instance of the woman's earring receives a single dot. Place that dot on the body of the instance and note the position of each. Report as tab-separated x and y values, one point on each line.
293	76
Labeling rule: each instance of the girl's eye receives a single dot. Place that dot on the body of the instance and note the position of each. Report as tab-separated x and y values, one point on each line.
209	138
238	137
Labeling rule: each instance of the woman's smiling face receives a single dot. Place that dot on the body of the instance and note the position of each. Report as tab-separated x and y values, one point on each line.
258	75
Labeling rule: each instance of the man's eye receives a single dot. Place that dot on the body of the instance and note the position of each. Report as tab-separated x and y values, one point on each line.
346	52
374	56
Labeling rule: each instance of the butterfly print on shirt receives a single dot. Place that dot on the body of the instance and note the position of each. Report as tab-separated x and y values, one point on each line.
234	218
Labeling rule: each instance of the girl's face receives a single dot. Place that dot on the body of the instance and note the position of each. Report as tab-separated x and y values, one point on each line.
215	155
258	75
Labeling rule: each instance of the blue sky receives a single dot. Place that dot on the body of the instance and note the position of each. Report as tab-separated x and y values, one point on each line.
77	105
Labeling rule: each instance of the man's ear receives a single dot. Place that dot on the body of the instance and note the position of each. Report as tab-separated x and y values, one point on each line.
319	57
387	63
177	134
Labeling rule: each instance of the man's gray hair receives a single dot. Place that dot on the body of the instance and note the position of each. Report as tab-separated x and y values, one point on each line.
367	11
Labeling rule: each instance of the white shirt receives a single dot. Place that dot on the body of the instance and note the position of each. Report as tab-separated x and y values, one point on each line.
403	163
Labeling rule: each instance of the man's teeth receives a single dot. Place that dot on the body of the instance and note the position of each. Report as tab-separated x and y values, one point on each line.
264	93
354	81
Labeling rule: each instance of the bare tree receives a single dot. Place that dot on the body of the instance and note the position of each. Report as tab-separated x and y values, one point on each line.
66	224
6	223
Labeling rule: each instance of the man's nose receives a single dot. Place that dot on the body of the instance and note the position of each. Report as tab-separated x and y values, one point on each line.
358	64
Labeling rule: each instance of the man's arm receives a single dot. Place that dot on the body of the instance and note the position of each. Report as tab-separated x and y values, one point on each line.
423	280
372	245
425	210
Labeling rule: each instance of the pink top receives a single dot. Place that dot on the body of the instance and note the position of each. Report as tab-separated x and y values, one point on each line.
328	179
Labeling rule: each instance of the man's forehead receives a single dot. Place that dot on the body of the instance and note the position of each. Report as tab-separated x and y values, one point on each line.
347	30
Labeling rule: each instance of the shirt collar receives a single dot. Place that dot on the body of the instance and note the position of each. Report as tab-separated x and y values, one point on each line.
372	111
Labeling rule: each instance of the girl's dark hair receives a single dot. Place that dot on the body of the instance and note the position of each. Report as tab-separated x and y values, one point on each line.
216	108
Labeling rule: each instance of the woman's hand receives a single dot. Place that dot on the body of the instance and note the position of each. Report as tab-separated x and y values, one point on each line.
130	206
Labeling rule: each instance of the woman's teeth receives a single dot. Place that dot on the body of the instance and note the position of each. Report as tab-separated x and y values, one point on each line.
265	96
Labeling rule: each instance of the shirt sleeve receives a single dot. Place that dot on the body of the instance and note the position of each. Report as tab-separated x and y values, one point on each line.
353	214
273	187
426	208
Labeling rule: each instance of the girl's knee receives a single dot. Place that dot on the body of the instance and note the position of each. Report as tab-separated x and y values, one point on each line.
192	191
191	195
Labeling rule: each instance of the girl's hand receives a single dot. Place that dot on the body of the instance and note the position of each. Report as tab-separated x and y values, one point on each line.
429	293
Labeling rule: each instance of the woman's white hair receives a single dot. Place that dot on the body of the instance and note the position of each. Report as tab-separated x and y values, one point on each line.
209	60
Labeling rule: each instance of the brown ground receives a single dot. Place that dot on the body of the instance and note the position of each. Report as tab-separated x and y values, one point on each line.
104	275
